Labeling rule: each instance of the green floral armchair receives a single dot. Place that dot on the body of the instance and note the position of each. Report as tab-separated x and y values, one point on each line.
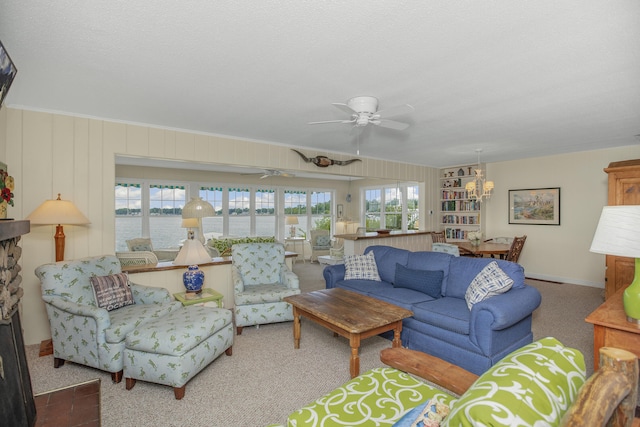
261	279
81	331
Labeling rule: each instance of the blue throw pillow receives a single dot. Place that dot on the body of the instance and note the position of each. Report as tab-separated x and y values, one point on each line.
425	281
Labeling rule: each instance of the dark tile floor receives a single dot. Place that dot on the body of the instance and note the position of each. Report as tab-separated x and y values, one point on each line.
77	405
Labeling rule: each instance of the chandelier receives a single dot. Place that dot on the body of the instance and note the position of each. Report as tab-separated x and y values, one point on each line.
479	188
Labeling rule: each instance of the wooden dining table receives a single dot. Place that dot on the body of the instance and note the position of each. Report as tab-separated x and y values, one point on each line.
484	248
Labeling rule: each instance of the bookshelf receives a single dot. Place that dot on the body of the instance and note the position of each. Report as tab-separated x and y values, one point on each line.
458	213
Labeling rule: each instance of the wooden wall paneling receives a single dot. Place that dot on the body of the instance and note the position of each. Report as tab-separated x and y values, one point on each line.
186	146
137	140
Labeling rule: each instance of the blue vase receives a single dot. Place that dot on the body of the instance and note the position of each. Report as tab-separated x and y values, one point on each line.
193	279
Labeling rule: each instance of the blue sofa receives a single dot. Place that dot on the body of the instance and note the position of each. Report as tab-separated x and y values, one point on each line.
445	327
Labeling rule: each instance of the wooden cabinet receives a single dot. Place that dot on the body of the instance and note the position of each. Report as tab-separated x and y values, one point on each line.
624	189
458	213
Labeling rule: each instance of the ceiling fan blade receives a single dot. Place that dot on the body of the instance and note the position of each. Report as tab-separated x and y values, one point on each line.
332	121
344	107
394	111
391	124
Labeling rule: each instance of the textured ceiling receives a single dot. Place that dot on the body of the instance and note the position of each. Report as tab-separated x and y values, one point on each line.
514	78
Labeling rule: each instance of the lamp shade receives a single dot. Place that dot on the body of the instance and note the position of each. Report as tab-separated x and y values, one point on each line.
192	253
618	231
198	208
291	220
189	223
52	212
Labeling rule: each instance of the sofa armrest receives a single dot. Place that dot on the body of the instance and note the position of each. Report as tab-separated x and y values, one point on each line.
501	312
236	279
333	274
289	278
143	294
100	315
431	368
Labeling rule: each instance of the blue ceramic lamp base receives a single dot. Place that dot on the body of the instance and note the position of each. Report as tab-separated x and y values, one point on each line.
193	279
631	297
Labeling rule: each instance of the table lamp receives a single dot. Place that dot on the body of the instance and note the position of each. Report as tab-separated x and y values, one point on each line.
190	223
58	212
191	254
198	209
618	234
292	221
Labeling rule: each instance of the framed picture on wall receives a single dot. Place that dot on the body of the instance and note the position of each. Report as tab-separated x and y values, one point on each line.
340	211
7	73
536	206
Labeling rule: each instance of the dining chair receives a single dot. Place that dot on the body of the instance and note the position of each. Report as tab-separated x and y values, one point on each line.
516	248
438	237
447	248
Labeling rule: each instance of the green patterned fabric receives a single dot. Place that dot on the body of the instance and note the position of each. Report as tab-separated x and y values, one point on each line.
174	349
223	246
261	279
378	397
82	332
534	385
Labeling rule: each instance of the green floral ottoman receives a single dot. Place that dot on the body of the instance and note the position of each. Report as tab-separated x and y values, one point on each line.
174	349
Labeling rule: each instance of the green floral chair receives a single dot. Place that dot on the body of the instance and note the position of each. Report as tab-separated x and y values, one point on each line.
540	384
261	279
81	331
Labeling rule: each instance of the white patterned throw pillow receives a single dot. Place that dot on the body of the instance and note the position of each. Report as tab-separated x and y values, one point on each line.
489	282
361	267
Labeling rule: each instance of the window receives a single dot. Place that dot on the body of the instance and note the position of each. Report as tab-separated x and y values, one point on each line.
239	214
213	225
392	207
373	208
265	212
321	210
152	209
128	213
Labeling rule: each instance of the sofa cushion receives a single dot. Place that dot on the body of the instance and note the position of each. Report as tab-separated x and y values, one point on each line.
113	291
434	261
323	241
386	259
449	314
364	286
427	281
361	267
533	385
491	281
463	270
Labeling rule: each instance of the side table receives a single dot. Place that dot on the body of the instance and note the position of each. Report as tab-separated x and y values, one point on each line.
208	297
295	241
611	328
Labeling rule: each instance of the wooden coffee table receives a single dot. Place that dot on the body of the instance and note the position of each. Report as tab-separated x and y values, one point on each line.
349	314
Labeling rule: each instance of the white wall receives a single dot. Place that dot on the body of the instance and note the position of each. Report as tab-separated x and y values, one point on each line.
559	253
52	153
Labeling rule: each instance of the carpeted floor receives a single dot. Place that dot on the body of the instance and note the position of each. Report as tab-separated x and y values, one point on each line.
266	378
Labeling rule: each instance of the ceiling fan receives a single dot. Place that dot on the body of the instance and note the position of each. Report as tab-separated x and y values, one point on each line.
272	172
363	110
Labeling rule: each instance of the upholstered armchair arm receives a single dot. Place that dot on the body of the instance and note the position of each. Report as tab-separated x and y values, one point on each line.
236	277
431	368
289	278
333	274
501	312
149	294
100	315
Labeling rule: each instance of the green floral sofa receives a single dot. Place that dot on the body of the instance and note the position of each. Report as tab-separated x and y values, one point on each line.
223	246
533	386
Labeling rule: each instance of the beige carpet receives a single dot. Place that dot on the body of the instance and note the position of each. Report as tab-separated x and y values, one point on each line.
266	378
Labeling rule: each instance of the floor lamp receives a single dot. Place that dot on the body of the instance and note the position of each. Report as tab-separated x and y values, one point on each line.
58	212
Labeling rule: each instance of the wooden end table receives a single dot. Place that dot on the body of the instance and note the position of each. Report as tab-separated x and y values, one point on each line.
349	314
611	328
